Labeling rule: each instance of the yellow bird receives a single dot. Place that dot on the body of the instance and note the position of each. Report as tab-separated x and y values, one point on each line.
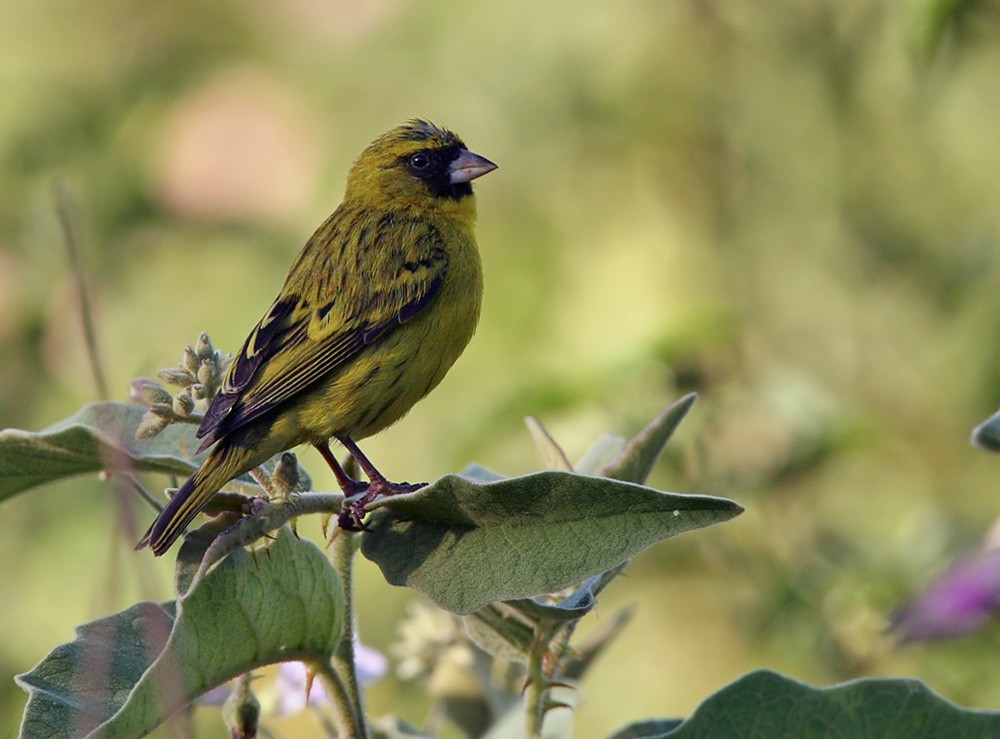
376	308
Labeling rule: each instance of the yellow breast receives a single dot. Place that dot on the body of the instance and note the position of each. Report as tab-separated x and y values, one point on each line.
381	385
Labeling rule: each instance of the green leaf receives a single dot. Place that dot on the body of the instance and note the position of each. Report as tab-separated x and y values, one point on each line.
80	684
507	629
552	454
573	606
100	436
125	674
601	454
500	630
477	473
195	544
764	704
986	435
652	728
640	454
465	544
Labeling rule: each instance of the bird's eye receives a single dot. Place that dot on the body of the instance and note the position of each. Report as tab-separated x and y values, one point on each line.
420	161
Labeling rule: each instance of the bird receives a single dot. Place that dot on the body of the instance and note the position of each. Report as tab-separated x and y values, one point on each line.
376	308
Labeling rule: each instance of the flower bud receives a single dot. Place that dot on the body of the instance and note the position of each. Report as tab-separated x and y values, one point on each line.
241	711
286	474
190	362
146	391
207	372
150	425
183	404
203	347
198	391
177	377
163	410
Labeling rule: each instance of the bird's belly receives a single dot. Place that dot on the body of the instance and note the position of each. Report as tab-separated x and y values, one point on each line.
381	385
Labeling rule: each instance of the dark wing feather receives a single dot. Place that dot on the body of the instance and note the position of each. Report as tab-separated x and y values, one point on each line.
300	341
267	336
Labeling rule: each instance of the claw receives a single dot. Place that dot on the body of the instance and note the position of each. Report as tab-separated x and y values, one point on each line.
353	511
360	494
352	515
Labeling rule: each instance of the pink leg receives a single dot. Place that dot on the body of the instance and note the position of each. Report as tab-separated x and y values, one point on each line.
351	517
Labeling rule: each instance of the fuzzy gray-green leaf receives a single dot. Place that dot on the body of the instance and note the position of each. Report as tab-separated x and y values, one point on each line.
640	454
764	704
552	454
500	630
602	454
100	436
465	544
987	434
125	674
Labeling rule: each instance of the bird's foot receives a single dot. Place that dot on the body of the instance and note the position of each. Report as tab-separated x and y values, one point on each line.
352	516
352	512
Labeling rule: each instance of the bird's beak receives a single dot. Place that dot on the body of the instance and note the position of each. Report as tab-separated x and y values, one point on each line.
468	166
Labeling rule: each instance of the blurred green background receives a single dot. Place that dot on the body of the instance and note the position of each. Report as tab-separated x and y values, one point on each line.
789	207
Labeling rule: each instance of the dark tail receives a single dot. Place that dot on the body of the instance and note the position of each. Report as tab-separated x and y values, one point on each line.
223	464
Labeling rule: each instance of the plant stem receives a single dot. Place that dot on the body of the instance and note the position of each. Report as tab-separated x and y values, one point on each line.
344	664
534	691
68	222
134	483
269	517
350	723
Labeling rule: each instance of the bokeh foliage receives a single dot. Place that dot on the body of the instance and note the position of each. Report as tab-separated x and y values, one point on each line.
789	207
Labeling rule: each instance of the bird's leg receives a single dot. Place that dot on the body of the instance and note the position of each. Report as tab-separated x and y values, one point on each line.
348	484
350	516
377	485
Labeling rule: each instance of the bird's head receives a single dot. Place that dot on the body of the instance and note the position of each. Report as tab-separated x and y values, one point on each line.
416	167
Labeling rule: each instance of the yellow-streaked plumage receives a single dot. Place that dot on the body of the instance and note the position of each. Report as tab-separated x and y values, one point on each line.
376	308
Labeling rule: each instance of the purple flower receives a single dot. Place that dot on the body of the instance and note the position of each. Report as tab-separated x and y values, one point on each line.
291	688
371	663
958	603
288	692
216	696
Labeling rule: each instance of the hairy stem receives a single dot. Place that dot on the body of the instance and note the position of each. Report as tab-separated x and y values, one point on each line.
268	516
350	721
344	662
535	690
